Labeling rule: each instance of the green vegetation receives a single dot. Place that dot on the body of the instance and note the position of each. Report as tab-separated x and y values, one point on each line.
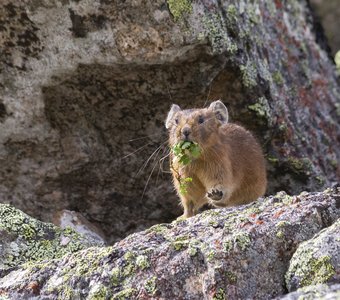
249	75
142	262
150	285
179	8
277	77
312	270
124	294
261	108
220	295
185	152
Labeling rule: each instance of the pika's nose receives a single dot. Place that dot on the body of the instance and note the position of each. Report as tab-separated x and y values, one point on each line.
186	132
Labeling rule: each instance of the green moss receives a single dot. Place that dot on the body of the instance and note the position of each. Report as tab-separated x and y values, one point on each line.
67	293
151	286
242	240
320	270
280	234
231	47
253	13
232	278
213	223
282	224
334	163
284	198
130	265
192	250
159	228
142	262
180	242
277	77
249	75
261	108
311	270
100	293
115	277
216	33
179	8
272	160
210	255
283	127
300	165
321	180
232	14
36	240
219	295
253	210
124	294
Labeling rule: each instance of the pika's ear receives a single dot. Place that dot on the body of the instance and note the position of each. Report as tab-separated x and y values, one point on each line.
220	111
174	109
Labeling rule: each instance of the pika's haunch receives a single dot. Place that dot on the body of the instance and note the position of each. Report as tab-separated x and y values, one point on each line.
230	169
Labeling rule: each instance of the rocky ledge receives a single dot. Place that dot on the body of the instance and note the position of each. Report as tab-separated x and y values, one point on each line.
255	251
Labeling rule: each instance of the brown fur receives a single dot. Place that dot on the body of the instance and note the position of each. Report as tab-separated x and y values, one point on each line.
231	160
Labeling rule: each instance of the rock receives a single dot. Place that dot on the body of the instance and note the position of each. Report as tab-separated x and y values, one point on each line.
329	14
72	219
85	87
26	240
235	253
316	260
320	291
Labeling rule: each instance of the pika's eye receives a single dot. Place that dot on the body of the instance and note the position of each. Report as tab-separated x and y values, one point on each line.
200	120
176	121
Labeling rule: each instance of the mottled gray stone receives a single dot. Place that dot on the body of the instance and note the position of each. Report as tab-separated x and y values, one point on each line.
26	240
234	253
316	260
320	292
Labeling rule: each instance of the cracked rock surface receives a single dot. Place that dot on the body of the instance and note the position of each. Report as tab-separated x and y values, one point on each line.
235	253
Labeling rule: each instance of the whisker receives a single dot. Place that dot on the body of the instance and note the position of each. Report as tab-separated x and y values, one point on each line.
167	87
146	163
161	162
147	182
140	148
205	103
144	137
165	149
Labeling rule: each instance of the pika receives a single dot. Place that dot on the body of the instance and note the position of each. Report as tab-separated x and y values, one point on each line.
230	169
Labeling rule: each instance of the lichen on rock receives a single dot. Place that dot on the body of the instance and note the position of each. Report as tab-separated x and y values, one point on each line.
317	260
27	240
206	256
312	292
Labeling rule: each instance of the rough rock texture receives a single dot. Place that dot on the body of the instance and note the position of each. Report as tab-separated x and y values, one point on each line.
316	260
23	239
82	83
235	253
74	220
320	292
329	13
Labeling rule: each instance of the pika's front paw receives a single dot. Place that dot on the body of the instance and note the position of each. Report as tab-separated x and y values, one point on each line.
215	194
